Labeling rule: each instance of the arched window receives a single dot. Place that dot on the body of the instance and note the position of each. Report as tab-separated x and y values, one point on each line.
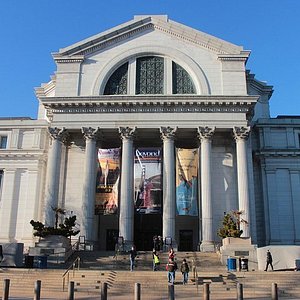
182	82
150	75
117	83
150	78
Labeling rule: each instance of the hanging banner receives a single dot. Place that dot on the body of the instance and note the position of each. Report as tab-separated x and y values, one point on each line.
107	184
147	180
187	161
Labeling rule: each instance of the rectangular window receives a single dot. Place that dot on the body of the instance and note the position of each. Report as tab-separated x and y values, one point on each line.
3	142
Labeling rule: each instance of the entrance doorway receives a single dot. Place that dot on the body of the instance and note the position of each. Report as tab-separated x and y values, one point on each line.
111	239
185	240
146	226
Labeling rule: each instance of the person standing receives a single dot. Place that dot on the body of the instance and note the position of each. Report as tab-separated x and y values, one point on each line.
155	243
160	243
156	261
132	256
171	254
1	253
269	261
184	268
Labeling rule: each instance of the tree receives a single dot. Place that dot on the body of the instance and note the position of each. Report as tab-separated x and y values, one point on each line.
231	225
66	229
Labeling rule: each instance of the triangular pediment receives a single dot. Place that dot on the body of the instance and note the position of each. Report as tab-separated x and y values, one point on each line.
142	24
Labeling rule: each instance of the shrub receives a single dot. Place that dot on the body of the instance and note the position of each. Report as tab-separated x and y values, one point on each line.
66	229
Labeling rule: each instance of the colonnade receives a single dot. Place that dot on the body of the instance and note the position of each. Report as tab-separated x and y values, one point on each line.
126	208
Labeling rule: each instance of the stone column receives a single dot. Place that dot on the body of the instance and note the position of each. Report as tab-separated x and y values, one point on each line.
9	206
126	219
58	136
205	136
89	182
169	195
295	191
241	135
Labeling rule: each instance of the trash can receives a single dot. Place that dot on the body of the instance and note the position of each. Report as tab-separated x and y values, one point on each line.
231	264
28	261
244	264
42	262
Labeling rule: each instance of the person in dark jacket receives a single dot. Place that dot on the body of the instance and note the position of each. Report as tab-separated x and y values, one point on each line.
184	268
269	261
171	268
132	256
1	253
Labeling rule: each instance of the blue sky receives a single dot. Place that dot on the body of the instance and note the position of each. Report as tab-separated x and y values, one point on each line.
31	30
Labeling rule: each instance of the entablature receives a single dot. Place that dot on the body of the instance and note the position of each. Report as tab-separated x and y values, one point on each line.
146	104
278	153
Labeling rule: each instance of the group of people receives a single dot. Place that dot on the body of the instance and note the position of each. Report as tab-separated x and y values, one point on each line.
158	243
171	266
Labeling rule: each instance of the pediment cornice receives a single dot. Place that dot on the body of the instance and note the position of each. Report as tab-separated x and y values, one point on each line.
148	23
260	87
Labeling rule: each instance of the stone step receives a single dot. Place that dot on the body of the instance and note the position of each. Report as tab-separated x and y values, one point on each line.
153	284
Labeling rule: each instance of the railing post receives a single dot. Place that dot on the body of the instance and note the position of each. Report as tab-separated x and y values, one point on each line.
274	291
71	290
206	291
104	291
171	292
239	290
6	283
137	291
37	290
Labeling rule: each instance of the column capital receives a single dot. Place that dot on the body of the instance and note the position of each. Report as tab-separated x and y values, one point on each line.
60	134
241	133
90	133
168	132
206	132
127	133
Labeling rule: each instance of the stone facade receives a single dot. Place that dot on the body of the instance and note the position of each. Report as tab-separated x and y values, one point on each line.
248	161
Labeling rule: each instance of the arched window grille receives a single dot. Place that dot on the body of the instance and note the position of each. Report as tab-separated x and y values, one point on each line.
117	83
182	82
150	75
149	78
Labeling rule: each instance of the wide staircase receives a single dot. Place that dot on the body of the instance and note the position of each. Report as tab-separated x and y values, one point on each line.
104	267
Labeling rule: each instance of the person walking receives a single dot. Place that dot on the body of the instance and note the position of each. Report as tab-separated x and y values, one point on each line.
170	267
184	268
269	261
132	256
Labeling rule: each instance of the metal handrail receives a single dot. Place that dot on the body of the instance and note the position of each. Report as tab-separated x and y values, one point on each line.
67	272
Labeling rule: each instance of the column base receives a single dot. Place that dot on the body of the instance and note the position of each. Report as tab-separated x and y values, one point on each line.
174	245
207	247
127	245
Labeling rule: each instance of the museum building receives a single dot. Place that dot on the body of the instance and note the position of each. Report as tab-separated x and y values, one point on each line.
152	128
